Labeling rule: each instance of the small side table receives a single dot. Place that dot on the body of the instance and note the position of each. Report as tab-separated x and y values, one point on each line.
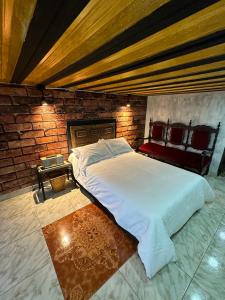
41	171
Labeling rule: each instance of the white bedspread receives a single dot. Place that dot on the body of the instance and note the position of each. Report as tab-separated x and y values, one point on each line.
150	199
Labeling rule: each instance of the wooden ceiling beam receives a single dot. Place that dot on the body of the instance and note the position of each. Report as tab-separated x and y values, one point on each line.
183	88
188	30
187	74
190	91
15	17
51	18
96	26
195	58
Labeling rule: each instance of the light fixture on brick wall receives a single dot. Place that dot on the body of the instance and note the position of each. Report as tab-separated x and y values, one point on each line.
128	102
44	102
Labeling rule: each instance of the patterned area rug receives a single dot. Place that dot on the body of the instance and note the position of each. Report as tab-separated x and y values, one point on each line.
86	248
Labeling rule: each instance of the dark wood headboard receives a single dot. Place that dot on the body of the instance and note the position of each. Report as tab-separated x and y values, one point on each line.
84	132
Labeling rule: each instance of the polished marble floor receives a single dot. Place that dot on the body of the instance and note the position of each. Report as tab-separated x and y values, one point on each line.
27	272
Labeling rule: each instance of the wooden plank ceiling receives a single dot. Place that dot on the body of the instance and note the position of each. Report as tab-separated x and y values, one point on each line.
124	46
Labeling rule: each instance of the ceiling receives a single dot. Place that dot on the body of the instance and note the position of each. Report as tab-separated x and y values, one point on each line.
117	46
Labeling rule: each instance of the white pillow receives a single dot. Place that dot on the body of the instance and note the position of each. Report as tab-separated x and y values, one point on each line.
76	150
92	154
117	146
75	164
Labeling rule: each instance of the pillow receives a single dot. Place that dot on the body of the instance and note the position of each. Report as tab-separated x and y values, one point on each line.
75	164
118	146
92	154
76	150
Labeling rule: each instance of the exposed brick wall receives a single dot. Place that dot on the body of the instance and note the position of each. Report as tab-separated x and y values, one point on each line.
30	130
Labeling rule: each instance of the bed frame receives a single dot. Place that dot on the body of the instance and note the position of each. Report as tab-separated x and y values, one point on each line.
84	132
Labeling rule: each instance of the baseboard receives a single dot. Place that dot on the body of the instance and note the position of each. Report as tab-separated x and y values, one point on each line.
18	192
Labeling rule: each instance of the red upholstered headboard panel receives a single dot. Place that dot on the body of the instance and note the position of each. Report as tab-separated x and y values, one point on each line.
201	138
158	130
176	135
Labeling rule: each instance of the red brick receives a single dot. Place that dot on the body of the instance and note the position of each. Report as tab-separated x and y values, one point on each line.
25	158
43	109
56	131
46	140
17	127
20	167
14	109
33	92
64	150
7	170
10	185
10	153
32	134
70	101
26	101
12	169
63	94
134	127
13	91
9	136
39	148
83	95
7	177
3	145
5	100
57	145
33	163
49	152
62	138
60	109
24	173
53	117
34	149
48	93
28	118
60	124
23	143
44	125
7	119
6	162
24	180
28	150
73	116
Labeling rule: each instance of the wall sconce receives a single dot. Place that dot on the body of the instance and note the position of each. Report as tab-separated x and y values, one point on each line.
128	103
43	102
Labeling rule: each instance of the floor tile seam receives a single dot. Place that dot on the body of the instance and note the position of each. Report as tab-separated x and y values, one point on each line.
124	277
25	278
18	239
212	238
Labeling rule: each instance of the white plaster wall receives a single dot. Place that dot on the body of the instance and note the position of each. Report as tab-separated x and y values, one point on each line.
201	108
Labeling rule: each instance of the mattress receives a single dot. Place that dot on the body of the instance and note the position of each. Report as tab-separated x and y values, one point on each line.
150	199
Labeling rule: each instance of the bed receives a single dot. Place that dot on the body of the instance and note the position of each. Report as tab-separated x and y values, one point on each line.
149	199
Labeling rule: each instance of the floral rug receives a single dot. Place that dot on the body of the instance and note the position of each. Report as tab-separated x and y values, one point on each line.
86	248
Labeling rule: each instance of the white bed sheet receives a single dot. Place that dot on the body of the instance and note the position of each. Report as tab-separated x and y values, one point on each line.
150	199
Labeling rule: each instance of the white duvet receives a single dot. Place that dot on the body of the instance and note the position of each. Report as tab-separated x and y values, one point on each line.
150	199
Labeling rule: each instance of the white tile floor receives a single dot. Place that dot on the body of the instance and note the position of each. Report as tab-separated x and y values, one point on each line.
26	270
